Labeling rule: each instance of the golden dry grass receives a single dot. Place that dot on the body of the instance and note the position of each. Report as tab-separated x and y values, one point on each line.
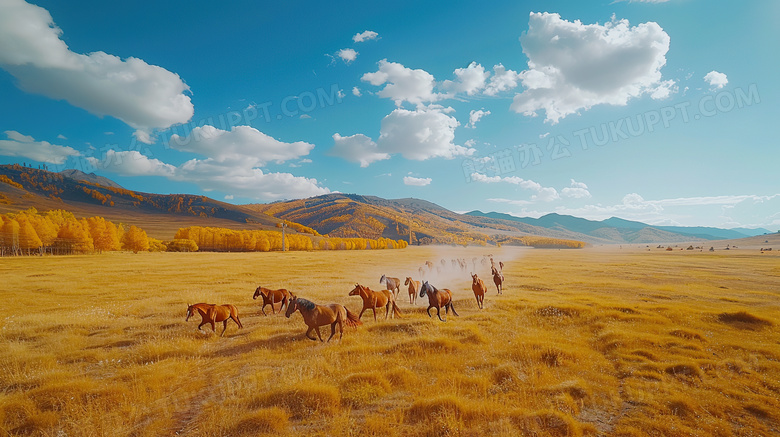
586	342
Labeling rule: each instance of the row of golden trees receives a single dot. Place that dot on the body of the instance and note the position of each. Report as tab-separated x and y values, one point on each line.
229	240
60	232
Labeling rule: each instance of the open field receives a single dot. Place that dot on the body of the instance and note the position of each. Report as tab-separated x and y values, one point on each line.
599	341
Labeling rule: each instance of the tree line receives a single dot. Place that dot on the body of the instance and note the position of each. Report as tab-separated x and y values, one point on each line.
60	232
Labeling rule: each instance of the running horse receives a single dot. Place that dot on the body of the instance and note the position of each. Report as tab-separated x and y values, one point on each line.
479	288
320	315
271	297
375	299
437	299
413	287
498	279
392	284
212	314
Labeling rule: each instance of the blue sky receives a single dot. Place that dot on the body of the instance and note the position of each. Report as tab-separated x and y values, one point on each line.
659	111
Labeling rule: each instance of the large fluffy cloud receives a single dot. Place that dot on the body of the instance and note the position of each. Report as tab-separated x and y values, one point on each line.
230	165
403	84
241	144
143	96
357	148
574	66
41	151
470	80
418	135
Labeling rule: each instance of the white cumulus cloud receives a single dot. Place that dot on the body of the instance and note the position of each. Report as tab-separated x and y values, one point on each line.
347	55
716	80
242	144
357	148
574	66
420	135
470	80
475	116
365	36
502	80
417	182
41	151
403	84
577	190
141	95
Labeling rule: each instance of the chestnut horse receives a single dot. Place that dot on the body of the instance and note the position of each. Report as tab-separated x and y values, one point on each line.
498	279
479	288
392	284
413	287
375	299
320	315
211	313
271	297
438	299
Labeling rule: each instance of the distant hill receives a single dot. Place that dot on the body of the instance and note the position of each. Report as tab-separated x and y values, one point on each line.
623	231
348	215
335	214
91	177
160	215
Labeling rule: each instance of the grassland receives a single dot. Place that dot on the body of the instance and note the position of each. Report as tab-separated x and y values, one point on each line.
583	342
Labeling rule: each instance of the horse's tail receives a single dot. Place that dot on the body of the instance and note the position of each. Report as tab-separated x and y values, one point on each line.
396	310
352	319
453	309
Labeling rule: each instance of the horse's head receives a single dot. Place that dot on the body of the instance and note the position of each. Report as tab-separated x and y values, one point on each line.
426	287
474	278
355	291
383	279
190	312
408	280
258	292
292	305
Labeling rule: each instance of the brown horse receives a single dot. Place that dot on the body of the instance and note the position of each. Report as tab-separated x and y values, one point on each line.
498	279
320	315
437	299
413	287
479	288
375	299
211	313
271	297
392	284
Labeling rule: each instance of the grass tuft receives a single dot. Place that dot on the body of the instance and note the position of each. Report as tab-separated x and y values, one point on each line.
743	320
264	420
547	422
302	401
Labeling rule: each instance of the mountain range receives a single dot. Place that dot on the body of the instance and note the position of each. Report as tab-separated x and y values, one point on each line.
335	214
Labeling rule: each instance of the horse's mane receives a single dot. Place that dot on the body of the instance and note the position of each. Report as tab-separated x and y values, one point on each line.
306	304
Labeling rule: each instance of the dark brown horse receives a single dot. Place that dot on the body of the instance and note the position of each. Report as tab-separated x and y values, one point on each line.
271	297
498	279
413	287
392	284
320	315
437	299
375	299
212	314
479	288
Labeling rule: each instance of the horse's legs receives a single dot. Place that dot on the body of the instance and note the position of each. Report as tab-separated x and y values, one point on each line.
317	330
387	308
374	310
438	313
224	327
237	320
213	327
332	330
361	312
308	331
453	309
273	309
263	308
429	311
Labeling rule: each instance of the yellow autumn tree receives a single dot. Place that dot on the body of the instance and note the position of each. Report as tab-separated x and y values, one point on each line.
135	239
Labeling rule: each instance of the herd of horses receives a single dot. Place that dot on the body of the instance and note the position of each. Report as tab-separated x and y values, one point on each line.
335	314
